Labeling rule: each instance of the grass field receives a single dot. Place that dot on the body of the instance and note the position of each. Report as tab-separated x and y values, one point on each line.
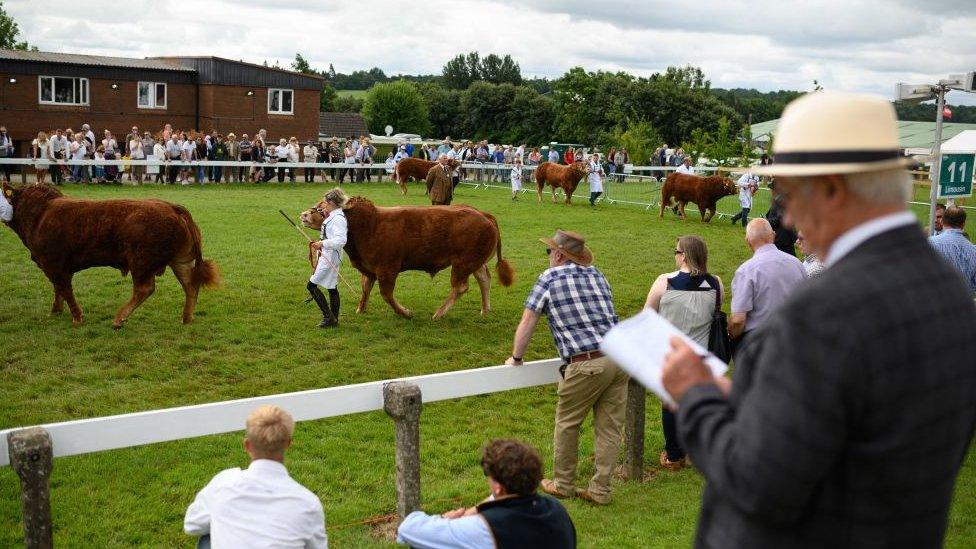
255	337
358	94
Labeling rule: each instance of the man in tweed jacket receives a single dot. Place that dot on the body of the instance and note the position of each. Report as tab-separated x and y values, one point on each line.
852	408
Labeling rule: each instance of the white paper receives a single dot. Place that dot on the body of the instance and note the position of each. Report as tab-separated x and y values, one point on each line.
639	345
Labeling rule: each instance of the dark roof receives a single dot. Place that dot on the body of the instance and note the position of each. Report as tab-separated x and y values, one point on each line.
92	60
228	72
341	124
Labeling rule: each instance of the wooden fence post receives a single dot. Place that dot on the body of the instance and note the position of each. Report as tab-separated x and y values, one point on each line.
32	458
634	431
402	401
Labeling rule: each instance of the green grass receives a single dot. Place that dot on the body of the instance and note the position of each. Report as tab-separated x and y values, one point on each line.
255	337
358	94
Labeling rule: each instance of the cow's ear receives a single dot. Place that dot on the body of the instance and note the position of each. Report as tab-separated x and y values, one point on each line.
8	191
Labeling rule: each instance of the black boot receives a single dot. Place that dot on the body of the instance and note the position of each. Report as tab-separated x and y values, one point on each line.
328	319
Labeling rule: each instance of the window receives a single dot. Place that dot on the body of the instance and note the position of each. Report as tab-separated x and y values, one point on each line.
151	95
280	101
61	90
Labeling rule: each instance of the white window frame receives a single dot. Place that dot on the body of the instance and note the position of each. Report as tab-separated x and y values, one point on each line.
153	96
280	100
81	86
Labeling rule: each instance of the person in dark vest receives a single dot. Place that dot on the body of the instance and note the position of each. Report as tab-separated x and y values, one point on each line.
512	516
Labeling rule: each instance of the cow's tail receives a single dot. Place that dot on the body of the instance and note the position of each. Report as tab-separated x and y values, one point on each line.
205	271
504	269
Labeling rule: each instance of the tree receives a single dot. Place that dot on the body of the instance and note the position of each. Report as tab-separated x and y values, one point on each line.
500	70
398	104
443	108
460	72
10	32
300	64
347	103
328	98
639	138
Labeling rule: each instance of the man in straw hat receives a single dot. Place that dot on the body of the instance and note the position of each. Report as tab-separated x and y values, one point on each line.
852	408
575	297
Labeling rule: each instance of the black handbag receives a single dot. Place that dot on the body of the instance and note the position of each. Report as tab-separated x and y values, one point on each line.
718	335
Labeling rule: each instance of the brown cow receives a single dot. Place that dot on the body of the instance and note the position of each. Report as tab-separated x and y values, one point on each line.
414	168
384	242
703	191
67	235
564	177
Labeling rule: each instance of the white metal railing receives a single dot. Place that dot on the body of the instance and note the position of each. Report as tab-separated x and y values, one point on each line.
127	430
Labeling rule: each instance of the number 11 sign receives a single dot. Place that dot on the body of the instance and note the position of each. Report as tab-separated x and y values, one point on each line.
956	175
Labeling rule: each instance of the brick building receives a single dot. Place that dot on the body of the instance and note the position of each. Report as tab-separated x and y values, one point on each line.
43	91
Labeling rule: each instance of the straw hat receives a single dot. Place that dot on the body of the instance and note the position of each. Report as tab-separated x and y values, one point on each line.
825	132
571	245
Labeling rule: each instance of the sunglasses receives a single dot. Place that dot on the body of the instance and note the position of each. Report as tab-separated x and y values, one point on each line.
676	252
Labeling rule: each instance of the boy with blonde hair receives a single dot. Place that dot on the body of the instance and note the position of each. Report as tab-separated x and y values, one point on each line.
261	506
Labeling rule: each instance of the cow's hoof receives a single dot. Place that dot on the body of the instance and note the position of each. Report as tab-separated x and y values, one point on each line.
116	326
360	310
406	313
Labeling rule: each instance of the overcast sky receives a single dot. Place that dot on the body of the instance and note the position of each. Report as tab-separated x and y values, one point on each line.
856	45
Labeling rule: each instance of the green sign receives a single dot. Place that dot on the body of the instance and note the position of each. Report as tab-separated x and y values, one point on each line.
956	175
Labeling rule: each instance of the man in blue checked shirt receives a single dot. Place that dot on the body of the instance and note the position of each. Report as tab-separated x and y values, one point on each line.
576	298
954	246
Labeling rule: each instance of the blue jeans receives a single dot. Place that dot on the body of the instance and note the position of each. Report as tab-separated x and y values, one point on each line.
743	215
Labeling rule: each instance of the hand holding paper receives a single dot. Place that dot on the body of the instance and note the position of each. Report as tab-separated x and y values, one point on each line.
640	346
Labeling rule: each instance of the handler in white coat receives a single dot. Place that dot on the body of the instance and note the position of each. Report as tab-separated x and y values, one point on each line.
748	184
516	177
333	235
6	208
595	178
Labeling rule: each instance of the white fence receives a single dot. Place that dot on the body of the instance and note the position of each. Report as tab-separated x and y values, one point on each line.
128	430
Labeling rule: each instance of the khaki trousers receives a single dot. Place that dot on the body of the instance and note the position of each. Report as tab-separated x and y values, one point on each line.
597	385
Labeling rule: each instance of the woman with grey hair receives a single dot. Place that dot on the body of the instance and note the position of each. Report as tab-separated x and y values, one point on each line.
332	238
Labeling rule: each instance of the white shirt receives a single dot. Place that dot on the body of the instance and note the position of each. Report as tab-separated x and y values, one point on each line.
159	151
6	209
78	150
189	147
745	193
135	149
311	154
261	506
686	169
858	235
424	531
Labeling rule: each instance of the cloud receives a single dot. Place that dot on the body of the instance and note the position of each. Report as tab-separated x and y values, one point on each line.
861	45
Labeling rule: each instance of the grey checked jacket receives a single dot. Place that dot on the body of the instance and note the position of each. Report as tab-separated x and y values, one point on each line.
851	409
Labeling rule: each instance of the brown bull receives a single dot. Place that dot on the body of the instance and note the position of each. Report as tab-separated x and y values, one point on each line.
564	177
703	191
414	168
141	237
384	242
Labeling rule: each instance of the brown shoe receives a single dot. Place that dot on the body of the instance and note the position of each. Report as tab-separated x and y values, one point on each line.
549	487
587	496
676	465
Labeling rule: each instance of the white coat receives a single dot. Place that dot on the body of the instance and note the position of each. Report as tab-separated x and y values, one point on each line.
745	184
6	209
333	234
595	177
516	178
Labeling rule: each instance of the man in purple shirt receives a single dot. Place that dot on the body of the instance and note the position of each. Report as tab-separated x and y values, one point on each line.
762	282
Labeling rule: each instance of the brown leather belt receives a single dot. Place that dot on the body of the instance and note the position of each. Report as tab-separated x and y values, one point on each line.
588	355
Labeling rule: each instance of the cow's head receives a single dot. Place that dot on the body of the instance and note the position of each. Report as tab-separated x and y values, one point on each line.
729	187
313	217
